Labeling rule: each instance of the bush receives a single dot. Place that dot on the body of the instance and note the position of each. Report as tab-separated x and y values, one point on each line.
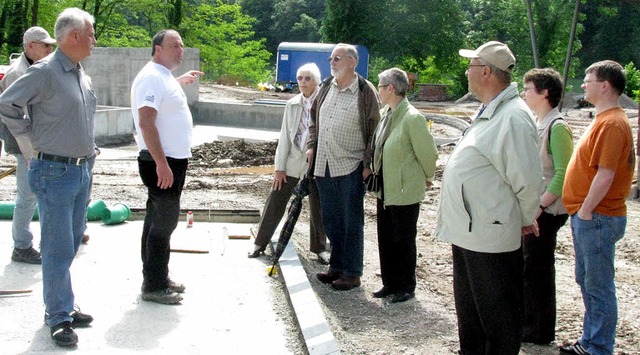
633	81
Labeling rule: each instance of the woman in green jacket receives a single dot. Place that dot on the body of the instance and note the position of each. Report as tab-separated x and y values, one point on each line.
404	161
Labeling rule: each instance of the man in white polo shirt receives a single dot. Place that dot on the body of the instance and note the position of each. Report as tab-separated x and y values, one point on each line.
163	125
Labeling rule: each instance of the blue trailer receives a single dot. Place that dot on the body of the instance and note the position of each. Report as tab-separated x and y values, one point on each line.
292	55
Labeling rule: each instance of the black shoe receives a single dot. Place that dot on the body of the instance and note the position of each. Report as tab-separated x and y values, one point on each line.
80	319
402	297
328	277
383	292
63	334
576	348
256	253
176	286
535	340
346	283
29	256
167	296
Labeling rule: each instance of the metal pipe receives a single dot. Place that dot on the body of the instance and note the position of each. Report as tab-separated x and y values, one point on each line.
567	61
532	32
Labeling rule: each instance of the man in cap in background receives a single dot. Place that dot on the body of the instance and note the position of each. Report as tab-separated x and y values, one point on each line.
490	194
37	44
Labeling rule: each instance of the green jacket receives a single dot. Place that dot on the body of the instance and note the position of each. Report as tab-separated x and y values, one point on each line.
409	156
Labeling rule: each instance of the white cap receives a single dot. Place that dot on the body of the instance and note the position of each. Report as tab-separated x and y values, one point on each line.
37	34
494	53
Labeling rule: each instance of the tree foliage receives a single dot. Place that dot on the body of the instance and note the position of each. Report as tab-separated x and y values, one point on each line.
238	38
229	53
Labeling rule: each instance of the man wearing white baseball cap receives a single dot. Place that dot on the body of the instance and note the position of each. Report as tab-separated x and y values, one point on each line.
37	44
490	194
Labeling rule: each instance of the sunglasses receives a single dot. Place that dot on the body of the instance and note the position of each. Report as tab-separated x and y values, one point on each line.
336	58
306	78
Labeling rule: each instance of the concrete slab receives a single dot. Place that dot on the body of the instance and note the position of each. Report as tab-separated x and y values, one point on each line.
227	307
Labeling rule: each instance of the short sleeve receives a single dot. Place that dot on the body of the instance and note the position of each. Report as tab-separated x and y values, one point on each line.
148	92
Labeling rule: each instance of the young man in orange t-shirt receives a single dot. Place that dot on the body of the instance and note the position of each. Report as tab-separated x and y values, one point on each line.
596	184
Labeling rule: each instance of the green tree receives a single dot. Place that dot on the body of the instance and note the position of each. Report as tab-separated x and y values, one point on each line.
352	21
611	31
223	34
506	21
261	10
292	21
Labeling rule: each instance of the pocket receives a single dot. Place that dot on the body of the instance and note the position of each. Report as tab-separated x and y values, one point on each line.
52	171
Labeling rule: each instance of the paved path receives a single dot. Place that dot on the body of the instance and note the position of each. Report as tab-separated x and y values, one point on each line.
227	307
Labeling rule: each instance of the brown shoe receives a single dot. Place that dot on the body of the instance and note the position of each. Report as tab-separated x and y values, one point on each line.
85	238
346	283
328	277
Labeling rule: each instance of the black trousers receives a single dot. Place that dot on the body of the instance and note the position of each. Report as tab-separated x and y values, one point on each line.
397	245
161	219
487	289
539	281
275	207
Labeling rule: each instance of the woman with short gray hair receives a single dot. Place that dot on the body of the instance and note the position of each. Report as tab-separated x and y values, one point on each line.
404	161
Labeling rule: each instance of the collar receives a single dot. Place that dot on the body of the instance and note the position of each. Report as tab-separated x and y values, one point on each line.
353	87
507	94
64	60
161	68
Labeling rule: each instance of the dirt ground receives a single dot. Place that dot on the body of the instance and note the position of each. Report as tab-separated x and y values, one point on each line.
360	323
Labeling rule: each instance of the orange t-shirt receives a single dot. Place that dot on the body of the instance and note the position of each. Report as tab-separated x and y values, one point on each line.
607	143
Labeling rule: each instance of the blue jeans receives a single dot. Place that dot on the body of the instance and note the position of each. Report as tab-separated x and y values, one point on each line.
61	190
594	243
25	207
90	163
342	209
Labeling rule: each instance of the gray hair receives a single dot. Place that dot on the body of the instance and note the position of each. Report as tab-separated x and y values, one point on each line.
312	69
396	77
71	19
503	76
351	50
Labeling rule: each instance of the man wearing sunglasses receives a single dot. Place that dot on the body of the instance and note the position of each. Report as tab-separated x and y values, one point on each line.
37	44
343	119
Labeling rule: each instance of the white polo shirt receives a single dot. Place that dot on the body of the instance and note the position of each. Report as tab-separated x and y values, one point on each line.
155	87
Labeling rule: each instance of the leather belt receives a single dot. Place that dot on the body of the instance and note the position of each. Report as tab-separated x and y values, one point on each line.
59	159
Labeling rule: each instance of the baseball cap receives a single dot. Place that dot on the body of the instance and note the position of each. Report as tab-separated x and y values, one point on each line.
37	34
494	53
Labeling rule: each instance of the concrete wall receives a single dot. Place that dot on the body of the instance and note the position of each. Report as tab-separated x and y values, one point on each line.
226	114
112	71
113	125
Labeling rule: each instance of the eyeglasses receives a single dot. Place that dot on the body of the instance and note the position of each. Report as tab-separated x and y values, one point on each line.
476	65
337	58
307	78
382	86
585	82
44	44
526	89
